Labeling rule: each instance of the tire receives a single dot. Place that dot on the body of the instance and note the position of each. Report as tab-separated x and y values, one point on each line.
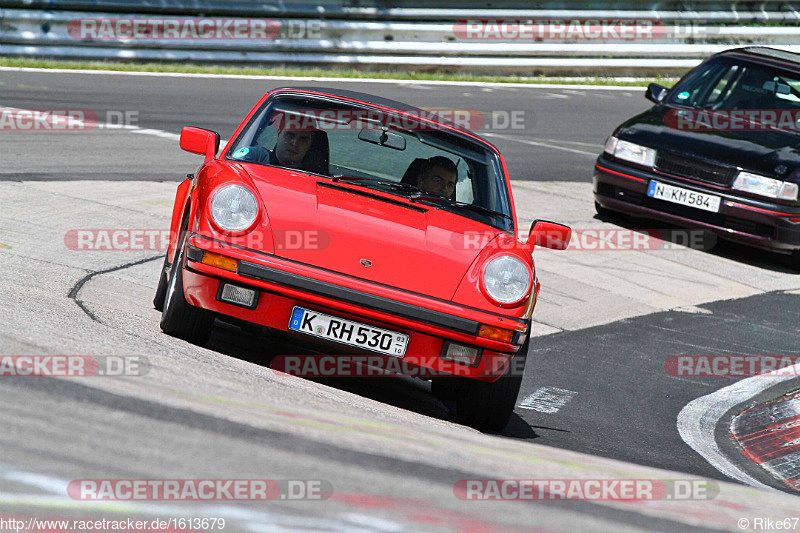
161	290
489	406
163	280
447	389
794	260
179	318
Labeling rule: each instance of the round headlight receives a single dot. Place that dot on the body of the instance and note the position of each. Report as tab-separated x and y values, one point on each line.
234	208
506	279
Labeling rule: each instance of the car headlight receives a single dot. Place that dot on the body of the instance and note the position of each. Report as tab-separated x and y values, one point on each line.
764	186
611	145
631	152
234	208
506	279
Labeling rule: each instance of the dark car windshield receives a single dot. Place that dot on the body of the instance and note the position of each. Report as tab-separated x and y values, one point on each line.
729	83
381	150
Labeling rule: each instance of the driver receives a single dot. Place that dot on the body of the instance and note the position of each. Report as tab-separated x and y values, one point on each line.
438	176
291	148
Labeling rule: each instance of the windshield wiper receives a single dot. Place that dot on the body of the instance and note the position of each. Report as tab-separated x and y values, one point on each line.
421	196
342	177
393	185
481	209
400	186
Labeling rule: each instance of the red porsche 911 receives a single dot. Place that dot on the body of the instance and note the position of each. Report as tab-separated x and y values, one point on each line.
360	225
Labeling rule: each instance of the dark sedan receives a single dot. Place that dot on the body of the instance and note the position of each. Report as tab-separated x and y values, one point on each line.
719	151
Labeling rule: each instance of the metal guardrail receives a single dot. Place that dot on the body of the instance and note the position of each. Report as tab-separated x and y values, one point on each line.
719	11
414	40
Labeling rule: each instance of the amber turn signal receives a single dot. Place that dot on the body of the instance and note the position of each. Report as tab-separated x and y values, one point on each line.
495	334
219	261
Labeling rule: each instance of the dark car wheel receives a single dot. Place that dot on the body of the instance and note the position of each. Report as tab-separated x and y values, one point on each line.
179	318
489	406
795	260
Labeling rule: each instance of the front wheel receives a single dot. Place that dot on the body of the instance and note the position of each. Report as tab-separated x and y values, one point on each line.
179	318
161	290
489	406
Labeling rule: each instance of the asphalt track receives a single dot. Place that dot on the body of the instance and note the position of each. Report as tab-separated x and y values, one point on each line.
595	383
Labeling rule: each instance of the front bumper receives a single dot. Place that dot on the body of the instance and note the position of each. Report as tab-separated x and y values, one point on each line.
283	284
758	223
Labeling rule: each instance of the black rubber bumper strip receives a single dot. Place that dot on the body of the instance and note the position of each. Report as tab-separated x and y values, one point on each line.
344	294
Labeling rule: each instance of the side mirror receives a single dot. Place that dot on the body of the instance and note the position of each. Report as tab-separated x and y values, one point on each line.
549	235
200	141
656	93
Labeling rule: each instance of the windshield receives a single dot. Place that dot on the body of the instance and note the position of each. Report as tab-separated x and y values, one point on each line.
727	83
392	152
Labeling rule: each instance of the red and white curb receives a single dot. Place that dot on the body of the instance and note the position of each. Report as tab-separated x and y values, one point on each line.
697	421
769	435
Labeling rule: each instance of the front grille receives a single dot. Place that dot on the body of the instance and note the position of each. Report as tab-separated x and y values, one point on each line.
716	219
691	167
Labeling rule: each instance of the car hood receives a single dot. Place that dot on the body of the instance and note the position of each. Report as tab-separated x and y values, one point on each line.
771	153
363	233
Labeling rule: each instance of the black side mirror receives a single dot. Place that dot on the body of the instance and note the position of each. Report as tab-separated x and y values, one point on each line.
656	93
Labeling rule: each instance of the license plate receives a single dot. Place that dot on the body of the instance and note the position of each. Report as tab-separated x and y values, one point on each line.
348	332
678	195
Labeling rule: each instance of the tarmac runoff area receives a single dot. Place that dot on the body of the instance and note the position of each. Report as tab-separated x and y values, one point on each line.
581	288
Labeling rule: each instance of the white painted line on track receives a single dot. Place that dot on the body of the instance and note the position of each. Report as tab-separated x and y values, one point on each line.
331	79
698	420
133	129
157	133
541	144
547	400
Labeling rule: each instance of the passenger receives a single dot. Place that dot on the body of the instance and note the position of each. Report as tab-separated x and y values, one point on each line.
438	176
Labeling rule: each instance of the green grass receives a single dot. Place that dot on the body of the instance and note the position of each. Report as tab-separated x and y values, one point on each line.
188	68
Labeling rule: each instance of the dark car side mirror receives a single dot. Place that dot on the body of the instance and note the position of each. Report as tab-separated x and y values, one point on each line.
549	235
200	141
656	93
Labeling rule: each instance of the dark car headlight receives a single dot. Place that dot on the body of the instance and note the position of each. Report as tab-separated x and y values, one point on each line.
764	186
631	152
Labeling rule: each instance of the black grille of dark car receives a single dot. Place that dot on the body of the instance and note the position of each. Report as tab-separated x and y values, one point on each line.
691	167
716	219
